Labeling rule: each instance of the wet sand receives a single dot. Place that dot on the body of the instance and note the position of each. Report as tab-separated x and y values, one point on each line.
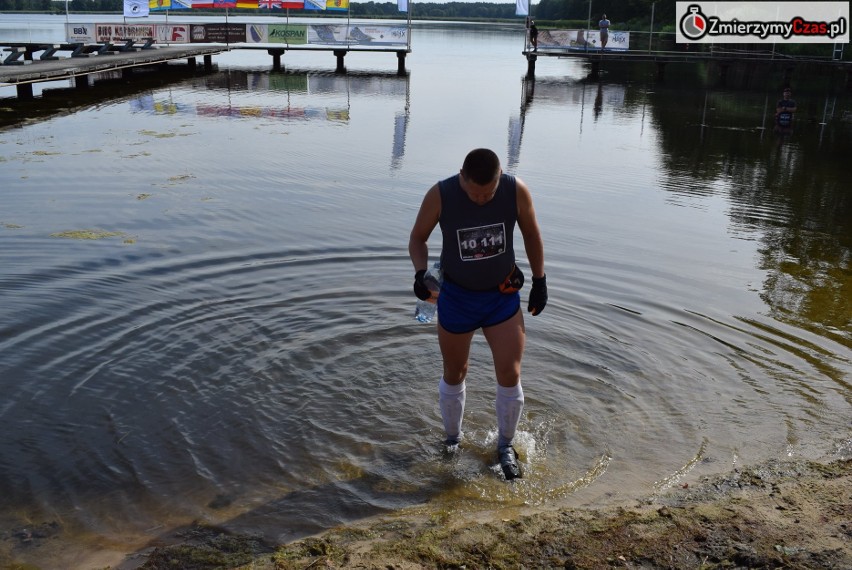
779	514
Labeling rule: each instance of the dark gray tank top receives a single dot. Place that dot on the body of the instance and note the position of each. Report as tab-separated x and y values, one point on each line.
478	249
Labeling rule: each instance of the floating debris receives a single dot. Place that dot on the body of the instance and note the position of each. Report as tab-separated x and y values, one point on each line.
87	234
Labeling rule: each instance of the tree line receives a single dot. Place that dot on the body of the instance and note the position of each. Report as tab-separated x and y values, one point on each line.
625	14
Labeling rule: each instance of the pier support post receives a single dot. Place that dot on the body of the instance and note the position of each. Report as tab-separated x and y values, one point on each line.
596	67
190	61
531	58
723	73
24	90
81	82
400	63
661	71
208	62
276	54
340	54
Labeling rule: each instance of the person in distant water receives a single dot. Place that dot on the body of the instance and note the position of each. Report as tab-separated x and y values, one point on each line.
477	210
604	26
533	35
784	109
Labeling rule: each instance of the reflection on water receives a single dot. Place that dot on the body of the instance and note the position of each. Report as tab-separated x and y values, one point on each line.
235	342
303	99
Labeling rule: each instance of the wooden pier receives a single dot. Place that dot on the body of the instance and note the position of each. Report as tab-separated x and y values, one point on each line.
22	69
723	59
338	51
23	65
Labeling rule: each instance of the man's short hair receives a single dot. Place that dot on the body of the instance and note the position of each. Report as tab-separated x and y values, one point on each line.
481	166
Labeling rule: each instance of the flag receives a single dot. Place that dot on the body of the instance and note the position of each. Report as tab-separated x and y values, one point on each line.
400	127
155	5
314	4
136	8
522	7
402	5
181	5
247	4
268	4
202	3
298	5
224	3
337	5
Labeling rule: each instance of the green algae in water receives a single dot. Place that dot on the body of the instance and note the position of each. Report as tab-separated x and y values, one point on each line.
87	234
155	134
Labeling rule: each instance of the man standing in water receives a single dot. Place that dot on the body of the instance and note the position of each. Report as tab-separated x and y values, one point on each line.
785	108
477	210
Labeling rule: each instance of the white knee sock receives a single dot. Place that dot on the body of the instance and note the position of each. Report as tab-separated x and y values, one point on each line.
451	401
510	404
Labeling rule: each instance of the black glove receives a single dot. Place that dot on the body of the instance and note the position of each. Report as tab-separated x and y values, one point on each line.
420	289
538	295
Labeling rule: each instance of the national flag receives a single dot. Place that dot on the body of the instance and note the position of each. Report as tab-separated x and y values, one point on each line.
268	4
156	5
136	8
314	4
202	3
293	5
337	5
522	7
181	4
224	3
402	5
247	4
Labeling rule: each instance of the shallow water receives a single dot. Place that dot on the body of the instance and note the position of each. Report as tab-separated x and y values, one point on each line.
236	342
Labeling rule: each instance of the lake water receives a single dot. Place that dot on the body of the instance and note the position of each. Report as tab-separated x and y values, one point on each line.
237	344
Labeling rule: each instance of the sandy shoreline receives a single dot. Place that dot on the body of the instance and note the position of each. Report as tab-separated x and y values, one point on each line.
778	514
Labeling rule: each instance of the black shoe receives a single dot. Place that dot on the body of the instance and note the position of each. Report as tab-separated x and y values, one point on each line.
508	458
451	445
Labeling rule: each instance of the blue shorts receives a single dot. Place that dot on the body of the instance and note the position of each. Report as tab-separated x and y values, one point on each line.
461	310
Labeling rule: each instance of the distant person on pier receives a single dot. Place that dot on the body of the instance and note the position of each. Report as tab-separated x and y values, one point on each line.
785	108
604	26
533	35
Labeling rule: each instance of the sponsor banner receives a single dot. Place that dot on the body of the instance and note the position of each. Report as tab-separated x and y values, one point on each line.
357	35
378	35
582	40
80	33
257	33
118	32
172	33
218	33
288	34
762	22
326	34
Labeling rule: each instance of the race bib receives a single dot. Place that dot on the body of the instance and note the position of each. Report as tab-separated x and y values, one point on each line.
482	242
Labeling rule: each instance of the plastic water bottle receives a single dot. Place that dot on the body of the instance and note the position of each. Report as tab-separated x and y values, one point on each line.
425	311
